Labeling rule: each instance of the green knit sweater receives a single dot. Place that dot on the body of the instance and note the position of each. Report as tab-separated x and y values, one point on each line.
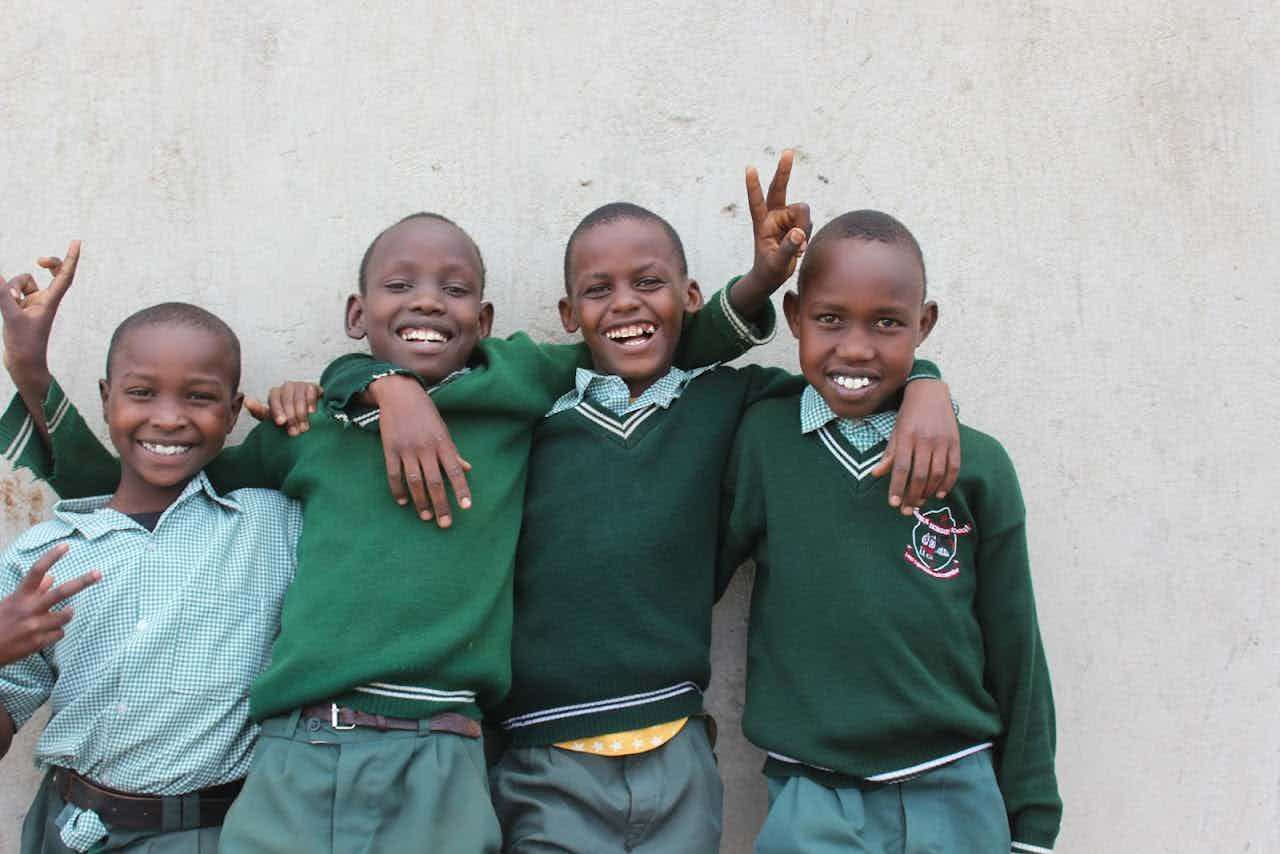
615	572
881	644
388	614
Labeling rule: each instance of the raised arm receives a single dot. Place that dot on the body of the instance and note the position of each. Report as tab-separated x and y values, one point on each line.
780	232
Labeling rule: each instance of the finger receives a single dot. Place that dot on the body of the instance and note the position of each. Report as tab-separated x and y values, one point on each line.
777	197
466	466
25	284
435	489
10	301
792	246
899	477
800	217
34	579
313	396
64	273
937	473
755	199
921	462
257	408
302	407
881	468
457	478
275	402
68	589
953	470
417	490
394	479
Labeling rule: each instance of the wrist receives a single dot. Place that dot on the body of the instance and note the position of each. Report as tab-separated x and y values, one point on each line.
31	375
389	384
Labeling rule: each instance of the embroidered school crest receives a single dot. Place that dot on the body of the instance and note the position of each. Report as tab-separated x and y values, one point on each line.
934	542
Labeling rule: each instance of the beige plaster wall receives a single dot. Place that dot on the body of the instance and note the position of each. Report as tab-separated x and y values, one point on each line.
1095	186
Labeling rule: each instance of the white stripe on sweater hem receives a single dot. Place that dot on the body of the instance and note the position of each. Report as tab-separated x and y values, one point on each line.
1030	849
596	706
901	773
412	692
59	414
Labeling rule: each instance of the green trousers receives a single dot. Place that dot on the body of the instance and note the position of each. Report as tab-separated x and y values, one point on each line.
41	834
666	801
955	809
315	789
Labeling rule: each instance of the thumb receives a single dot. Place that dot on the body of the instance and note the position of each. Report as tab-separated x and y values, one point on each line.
257	408
882	468
793	245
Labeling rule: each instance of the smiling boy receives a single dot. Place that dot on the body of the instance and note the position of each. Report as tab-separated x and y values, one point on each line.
895	672
394	633
150	734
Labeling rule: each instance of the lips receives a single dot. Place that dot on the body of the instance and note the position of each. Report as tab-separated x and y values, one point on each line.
852	385
166	449
424	338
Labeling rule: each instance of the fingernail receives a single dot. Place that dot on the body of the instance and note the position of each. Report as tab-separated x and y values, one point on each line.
402	501
894	501
446	521
466	503
280	420
425	516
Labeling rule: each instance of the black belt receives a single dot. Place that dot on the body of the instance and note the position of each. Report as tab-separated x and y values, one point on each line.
205	808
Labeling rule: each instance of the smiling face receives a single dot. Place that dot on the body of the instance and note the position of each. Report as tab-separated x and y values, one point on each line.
628	296
859	321
422	305
169	404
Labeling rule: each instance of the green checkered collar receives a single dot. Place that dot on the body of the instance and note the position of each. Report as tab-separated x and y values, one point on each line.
82	514
610	391
862	433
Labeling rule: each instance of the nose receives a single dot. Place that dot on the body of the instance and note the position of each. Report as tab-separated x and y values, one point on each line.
427	299
624	299
168	414
855	346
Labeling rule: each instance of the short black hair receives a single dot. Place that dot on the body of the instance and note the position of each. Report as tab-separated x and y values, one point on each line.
622	210
860	225
364	261
179	314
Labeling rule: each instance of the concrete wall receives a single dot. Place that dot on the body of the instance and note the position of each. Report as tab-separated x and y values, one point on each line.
1095	186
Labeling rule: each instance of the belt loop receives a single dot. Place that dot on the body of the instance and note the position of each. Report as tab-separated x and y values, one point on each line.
291	723
424	726
170	814
189	807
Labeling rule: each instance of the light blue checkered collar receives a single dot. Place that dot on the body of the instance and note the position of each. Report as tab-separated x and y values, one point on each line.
83	514
862	433
610	391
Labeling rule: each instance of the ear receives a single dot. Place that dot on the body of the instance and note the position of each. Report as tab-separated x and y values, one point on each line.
567	318
355	317
103	389
485	319
692	298
928	319
233	414
791	308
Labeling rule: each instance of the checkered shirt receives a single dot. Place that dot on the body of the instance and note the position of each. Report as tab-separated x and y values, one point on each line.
611	392
150	685
862	433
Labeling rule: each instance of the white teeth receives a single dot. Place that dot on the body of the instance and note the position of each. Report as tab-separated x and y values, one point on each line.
166	450
631	331
851	383
416	334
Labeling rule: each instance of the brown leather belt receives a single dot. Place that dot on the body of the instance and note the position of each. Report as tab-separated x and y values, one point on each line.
339	717
205	808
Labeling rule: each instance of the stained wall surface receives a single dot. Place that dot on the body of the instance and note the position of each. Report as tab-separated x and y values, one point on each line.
1095	186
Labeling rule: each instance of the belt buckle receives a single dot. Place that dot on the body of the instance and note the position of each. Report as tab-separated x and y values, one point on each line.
333	719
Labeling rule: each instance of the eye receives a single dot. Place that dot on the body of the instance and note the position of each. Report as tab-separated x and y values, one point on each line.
599	289
457	289
828	319
138	392
397	285
203	396
888	323
648	283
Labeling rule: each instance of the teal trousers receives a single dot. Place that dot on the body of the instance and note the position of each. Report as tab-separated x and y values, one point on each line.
666	801
41	834
318	790
955	809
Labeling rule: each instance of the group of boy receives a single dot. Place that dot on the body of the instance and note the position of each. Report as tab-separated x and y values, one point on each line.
902	695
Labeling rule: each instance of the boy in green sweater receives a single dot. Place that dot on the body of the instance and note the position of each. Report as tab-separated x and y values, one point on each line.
393	634
895	672
612	633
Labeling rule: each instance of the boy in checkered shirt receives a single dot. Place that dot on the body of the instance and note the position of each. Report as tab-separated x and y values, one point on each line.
150	734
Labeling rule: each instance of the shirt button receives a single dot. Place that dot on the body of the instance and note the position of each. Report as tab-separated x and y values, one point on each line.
142	625
313	725
122	709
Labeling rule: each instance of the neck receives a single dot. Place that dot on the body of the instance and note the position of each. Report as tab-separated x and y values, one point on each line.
135	495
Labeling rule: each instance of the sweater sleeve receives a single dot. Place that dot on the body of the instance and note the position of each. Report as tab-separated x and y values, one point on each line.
1016	672
742	510
263	459
77	465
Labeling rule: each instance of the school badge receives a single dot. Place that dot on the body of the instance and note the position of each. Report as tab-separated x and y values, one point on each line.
934	542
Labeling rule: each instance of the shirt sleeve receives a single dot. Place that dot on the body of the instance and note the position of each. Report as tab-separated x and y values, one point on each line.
27	683
77	465
1017	674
